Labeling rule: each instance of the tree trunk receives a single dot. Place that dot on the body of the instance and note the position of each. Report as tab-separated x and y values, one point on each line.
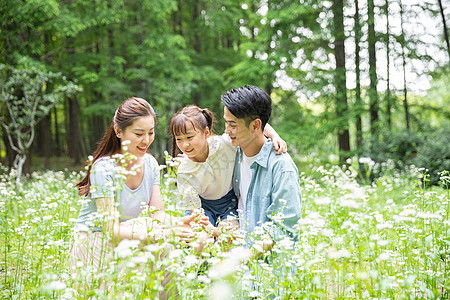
441	9
340	81
373	95
45	139
98	127
405	89
388	65
9	151
358	100
58	148
19	165
74	132
196	44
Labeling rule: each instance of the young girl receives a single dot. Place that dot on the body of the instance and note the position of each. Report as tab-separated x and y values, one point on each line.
206	168
109	202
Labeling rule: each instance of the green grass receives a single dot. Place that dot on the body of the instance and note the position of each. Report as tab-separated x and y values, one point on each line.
386	240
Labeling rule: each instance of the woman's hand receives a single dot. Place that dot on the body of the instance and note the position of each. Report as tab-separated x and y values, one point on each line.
185	234
195	217
279	144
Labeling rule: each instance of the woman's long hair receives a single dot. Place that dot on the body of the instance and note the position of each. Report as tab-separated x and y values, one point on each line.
199	119
130	110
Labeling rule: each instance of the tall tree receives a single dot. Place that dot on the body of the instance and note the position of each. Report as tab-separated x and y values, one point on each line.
444	23
405	88
388	97
373	94
340	81
73	135
358	100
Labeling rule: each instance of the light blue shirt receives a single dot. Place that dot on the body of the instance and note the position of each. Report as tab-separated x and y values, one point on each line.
274	195
105	183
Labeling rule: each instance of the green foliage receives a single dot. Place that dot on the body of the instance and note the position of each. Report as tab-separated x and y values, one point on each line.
28	92
434	154
429	150
401	147
174	53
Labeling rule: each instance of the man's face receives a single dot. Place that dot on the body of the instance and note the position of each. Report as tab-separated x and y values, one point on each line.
239	132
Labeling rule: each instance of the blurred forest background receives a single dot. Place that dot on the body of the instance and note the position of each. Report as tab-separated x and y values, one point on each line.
356	78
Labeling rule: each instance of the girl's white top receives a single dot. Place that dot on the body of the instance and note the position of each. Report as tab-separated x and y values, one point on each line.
107	182
210	179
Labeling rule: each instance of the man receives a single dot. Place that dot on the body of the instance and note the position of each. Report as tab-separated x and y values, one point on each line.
267	184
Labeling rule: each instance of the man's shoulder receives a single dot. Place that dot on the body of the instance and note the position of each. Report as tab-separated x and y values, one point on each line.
281	162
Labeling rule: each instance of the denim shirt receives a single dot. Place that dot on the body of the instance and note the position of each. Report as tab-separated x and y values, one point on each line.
274	192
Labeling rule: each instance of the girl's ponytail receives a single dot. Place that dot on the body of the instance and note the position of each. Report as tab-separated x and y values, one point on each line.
209	118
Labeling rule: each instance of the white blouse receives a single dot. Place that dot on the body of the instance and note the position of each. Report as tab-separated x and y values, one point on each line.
210	179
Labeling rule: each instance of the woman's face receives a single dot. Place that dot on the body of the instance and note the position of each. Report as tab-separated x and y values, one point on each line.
194	143
140	135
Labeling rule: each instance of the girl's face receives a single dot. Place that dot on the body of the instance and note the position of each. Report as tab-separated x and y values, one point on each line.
140	134
194	143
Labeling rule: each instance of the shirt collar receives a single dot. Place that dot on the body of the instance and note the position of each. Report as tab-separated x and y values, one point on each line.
263	156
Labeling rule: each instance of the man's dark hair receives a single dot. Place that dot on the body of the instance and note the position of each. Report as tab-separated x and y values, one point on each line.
249	103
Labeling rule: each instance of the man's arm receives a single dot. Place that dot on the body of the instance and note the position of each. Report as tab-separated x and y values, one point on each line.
285	210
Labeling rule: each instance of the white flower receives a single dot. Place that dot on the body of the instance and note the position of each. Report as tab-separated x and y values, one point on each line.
408	212
382	243
385	225
349	203
334	254
321	246
398	219
56	285
175	253
47	217
374	237
254	294
384	256
204	279
190	260
125	247
322	201
286	243
428	215
142	259
337	241
349	224
366	160
220	291
327	232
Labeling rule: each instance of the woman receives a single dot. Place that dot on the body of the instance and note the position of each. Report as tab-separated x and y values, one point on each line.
122	179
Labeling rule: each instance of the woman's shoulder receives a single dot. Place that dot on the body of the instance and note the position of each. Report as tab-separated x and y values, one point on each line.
102	170
104	163
150	160
220	143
